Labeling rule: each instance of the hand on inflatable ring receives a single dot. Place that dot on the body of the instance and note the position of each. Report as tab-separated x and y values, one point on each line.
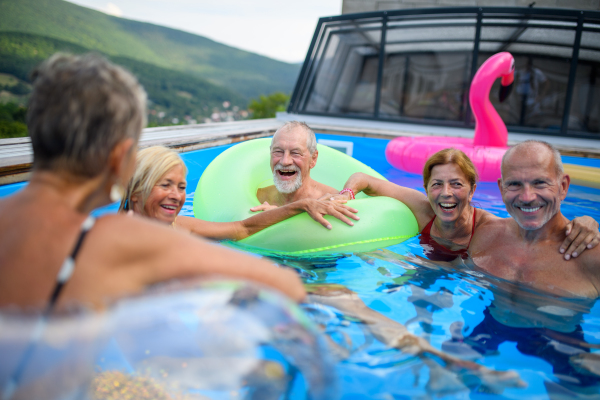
339	198
263	207
318	208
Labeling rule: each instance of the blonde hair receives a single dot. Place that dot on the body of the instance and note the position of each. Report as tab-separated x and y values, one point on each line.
451	156
152	163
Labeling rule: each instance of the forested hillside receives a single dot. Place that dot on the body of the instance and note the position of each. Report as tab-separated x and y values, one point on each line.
245	73
175	93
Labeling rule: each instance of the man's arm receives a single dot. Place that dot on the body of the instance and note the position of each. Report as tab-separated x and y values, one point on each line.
239	230
591	262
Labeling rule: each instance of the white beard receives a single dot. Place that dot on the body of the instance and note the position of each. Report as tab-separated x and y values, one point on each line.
287	187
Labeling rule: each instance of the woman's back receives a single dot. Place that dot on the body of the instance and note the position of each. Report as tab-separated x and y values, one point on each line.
120	255
40	232
37	236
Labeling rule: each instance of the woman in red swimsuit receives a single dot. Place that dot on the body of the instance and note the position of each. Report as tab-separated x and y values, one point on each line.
446	213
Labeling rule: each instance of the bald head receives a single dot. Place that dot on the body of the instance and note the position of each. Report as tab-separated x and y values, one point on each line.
532	149
533	184
299	128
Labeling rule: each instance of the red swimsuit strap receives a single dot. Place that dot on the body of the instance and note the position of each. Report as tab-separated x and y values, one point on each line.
427	229
472	229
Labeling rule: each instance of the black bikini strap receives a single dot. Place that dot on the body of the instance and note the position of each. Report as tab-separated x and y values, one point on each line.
69	264
63	277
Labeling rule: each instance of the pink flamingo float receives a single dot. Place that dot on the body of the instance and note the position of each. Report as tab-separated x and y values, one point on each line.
489	143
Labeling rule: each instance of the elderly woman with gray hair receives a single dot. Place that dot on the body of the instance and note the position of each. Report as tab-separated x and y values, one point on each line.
85	119
157	190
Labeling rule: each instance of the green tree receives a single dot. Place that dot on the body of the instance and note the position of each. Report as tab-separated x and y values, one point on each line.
267	106
12	121
19	89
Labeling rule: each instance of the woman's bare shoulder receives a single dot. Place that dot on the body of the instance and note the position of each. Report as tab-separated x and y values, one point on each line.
124	228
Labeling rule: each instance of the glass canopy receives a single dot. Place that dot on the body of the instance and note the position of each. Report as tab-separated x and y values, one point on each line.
417	65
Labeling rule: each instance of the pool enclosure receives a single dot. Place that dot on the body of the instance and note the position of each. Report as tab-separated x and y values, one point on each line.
416	66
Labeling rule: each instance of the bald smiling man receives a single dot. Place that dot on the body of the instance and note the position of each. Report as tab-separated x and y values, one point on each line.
522	248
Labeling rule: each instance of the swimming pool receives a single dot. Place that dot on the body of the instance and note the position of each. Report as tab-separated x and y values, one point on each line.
452	308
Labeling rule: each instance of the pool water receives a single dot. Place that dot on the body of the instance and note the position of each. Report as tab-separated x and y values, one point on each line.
450	307
552	343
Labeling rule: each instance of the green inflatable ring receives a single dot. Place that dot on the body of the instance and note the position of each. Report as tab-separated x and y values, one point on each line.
228	186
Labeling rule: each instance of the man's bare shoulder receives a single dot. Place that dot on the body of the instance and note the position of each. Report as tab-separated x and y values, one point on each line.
325	189
490	229
588	263
490	223
483	217
591	259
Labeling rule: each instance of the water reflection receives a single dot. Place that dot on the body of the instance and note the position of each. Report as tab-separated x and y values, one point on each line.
181	340
548	339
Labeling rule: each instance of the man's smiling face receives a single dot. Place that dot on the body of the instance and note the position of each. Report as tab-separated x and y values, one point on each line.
291	160
531	188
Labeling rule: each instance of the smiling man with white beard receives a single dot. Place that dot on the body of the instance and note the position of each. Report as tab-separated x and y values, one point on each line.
293	154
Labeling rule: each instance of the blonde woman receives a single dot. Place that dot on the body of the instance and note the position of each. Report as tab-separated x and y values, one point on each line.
157	191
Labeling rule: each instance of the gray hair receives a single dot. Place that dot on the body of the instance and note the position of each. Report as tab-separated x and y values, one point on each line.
311	140
79	109
558	165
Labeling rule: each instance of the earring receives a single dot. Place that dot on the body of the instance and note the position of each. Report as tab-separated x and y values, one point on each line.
116	192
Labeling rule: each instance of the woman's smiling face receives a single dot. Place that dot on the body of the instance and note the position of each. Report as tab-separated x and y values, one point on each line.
449	192
167	197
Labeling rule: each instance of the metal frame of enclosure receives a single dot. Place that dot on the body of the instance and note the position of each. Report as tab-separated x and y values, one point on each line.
416	66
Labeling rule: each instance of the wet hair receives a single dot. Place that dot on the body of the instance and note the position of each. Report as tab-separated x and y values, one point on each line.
558	165
151	165
451	156
79	109
311	140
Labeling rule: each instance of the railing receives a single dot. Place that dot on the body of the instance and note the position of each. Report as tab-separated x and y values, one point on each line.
416	66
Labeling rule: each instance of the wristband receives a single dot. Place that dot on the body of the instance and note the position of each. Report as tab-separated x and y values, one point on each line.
348	190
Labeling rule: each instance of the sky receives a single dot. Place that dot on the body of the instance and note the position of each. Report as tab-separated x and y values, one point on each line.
280	29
